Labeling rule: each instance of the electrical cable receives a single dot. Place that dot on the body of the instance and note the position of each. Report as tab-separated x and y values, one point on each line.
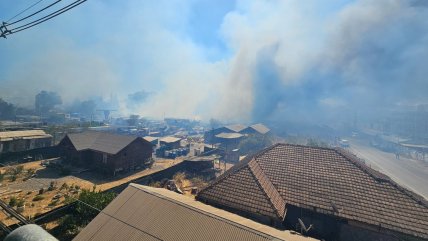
47	17
24	10
19	20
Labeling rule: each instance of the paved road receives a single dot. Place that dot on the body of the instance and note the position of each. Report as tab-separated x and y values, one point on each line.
408	173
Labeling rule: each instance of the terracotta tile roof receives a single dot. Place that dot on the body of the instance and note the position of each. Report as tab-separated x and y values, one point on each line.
100	141
329	181
146	213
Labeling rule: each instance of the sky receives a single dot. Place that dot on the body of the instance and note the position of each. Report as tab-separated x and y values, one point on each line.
231	60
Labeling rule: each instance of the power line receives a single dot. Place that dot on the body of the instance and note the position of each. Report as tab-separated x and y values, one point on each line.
24	10
47	17
43	19
19	20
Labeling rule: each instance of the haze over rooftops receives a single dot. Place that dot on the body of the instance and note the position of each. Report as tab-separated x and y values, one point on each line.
323	180
159	214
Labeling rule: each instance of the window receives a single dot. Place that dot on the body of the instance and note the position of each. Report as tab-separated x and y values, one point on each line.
104	158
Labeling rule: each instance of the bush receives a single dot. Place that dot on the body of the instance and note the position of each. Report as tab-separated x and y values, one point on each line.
64	186
53	203
13	201
31	171
52	186
38	198
19	169
41	191
20	203
12	178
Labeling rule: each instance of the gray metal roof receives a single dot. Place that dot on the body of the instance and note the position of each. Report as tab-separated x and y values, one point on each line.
100	141
229	135
260	128
145	213
236	127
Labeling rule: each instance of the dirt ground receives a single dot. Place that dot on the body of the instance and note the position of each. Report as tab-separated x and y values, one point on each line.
26	189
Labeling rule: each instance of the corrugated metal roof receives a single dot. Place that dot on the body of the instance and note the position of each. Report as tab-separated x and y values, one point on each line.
260	128
229	135
170	139
145	213
100	141
150	138
236	127
29	134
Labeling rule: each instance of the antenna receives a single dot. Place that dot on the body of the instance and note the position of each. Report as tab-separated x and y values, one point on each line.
303	226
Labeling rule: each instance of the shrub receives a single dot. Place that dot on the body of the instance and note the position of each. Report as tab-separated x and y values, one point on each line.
53	202
12	178
38	198
52	186
13	201
20	203
64	186
19	169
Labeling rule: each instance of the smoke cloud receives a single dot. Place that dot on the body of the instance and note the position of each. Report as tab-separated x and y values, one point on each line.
293	59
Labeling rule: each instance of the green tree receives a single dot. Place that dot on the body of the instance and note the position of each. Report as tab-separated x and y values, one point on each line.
85	211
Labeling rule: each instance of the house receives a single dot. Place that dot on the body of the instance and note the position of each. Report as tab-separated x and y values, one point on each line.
16	141
256	129
229	141
147	213
106	152
210	136
293	186
170	142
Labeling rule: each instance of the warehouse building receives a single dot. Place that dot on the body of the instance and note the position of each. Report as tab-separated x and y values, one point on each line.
106	152
16	141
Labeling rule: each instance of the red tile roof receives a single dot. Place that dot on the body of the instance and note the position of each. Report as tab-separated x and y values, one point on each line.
329	181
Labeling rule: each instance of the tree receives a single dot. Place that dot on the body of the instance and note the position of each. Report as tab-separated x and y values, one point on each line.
7	110
46	101
84	211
